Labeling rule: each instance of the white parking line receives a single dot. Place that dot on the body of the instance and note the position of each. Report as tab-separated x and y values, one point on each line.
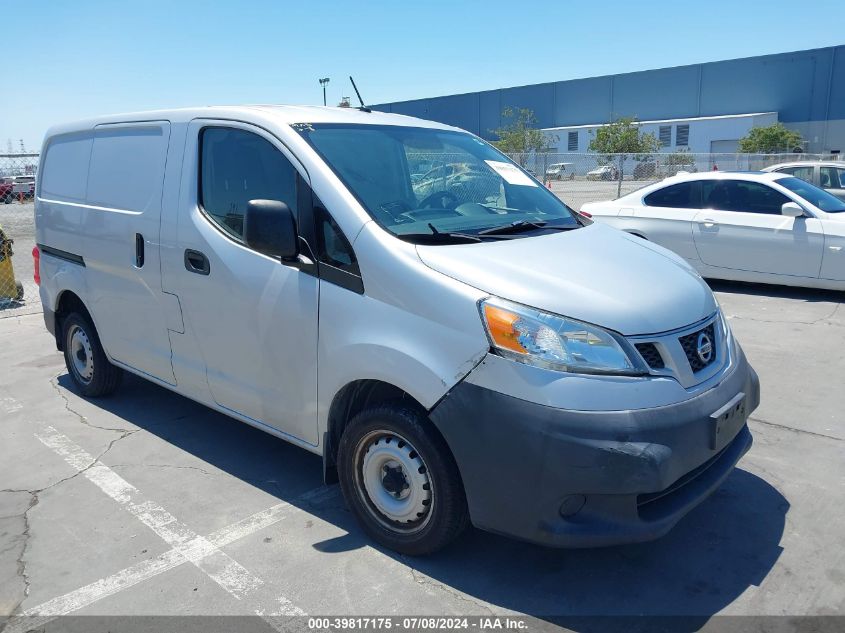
96	591
219	566
187	546
10	405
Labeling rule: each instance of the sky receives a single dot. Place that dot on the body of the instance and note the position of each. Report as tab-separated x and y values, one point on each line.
88	57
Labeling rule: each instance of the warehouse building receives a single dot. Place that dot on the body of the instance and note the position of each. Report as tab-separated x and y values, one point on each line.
702	107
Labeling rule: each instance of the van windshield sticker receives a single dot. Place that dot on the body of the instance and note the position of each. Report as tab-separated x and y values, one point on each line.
510	173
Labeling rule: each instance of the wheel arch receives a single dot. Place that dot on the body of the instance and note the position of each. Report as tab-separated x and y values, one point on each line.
349	401
68	302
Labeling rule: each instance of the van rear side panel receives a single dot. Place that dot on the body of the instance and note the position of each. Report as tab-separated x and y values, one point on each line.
108	213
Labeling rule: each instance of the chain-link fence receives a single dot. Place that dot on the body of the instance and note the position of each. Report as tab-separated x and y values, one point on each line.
579	178
18	292
574	177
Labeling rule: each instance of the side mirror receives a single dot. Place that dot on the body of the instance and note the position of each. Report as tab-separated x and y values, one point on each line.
792	210
269	228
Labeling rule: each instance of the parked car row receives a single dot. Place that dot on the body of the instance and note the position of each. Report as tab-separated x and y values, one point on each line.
604	172
15	187
748	226
560	171
829	175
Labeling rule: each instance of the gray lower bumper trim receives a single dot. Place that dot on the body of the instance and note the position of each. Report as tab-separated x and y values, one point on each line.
629	475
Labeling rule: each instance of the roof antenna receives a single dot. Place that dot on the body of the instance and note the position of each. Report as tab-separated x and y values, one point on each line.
363	108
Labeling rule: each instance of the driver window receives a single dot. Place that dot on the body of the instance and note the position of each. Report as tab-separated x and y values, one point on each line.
743	196
832	178
804	173
237	166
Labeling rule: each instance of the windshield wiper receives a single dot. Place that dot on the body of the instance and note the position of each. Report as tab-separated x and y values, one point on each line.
438	237
523	225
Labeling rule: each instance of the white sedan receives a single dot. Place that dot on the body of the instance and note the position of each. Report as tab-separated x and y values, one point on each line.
746	226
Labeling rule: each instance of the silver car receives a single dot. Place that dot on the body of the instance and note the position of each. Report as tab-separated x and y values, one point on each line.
829	175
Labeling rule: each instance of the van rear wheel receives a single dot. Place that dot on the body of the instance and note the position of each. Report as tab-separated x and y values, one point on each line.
400	480
86	362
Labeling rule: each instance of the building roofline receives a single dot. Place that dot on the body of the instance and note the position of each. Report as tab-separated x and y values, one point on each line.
613	75
692	118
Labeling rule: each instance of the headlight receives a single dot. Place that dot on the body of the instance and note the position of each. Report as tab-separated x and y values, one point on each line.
555	342
727	336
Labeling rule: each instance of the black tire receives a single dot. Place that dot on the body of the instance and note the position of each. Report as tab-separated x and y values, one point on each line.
82	346
19	290
7	200
444	517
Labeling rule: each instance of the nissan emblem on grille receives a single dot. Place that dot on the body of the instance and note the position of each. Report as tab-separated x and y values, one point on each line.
700	347
704	347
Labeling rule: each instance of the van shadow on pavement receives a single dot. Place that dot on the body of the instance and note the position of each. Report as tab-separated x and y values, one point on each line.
708	560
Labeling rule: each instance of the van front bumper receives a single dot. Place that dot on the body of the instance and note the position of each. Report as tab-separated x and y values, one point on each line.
593	478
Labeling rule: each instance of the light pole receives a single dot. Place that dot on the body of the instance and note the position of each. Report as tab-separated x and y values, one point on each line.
323	83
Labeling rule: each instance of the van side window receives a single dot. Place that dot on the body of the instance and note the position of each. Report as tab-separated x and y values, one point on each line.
332	246
237	166
64	171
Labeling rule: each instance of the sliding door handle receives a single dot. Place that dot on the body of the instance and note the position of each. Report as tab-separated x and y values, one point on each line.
139	250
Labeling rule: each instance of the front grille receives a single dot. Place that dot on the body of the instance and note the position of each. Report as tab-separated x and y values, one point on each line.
650	355
690	345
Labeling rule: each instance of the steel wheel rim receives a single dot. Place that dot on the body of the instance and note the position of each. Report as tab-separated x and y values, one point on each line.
393	482
81	354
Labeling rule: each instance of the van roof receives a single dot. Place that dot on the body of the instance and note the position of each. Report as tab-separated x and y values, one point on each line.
284	114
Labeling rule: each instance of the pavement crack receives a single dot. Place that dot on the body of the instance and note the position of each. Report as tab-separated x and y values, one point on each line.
20	560
55	384
422	579
35	498
827	317
197	468
795	430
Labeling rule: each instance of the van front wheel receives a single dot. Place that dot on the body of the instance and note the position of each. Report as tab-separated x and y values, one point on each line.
400	479
90	370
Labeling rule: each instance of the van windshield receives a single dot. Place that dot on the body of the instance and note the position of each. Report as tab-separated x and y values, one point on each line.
421	182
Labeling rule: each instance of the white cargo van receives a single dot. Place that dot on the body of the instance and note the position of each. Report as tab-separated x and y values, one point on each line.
458	348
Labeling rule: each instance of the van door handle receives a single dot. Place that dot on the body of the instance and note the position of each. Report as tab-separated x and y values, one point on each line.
708	223
139	250
196	262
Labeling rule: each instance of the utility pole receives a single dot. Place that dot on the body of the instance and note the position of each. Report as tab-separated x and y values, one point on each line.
323	83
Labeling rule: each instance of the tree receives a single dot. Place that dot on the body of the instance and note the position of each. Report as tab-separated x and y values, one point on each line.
620	139
681	157
680	160
520	135
771	139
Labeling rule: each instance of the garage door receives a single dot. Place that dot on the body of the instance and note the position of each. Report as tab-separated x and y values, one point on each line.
724	147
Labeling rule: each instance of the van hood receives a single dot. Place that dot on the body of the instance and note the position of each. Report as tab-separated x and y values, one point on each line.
594	274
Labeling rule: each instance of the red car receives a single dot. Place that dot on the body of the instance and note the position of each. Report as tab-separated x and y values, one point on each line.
11	188
6	185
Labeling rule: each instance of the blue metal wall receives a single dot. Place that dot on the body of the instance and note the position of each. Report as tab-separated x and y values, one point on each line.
799	86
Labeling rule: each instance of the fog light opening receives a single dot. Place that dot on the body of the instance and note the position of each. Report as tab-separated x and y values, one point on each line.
571	505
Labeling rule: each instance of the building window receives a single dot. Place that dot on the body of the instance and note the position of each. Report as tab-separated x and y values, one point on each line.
682	136
665	135
572	142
